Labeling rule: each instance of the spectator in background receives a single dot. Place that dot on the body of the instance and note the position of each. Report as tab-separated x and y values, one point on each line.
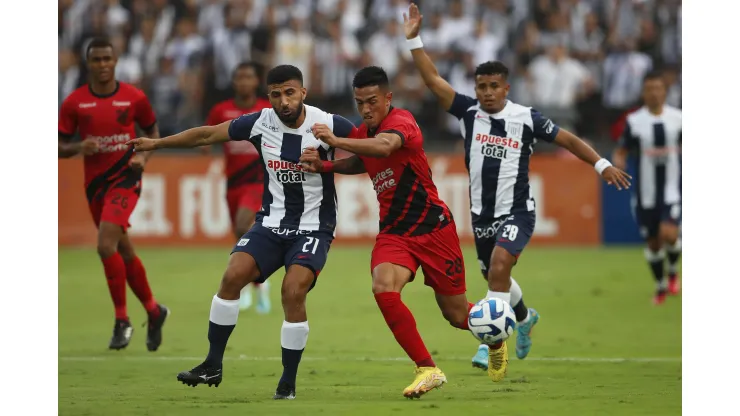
669	18
145	47
495	15
117	18
672	76
616	40
483	45
166	97
351	13
456	26
338	56
128	68
187	47
435	44
624	69
231	45
385	48
588	47
211	17
294	45
557	83
69	73
555	33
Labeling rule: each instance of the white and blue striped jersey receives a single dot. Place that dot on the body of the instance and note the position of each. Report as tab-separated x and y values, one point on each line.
656	141
497	152
293	199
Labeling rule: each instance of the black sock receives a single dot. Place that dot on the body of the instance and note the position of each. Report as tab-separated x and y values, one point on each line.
521	311
673	254
656	260
291	359
218	336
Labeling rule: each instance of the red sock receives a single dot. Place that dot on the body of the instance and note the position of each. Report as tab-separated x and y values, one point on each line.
115	274
466	324
402	324
136	276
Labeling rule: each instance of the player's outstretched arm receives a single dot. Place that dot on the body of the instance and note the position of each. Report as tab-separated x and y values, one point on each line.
440	88
382	145
198	136
311	162
611	174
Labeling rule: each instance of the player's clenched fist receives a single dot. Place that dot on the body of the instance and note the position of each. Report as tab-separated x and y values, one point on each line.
310	160
90	147
143	144
323	133
617	177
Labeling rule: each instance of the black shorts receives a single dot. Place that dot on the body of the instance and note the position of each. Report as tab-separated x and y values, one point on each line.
510	232
649	219
273	248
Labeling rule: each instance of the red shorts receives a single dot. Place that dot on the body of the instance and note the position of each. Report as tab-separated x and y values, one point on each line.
438	253
115	206
245	196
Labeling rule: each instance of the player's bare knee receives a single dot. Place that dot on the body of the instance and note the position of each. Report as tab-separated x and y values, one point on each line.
126	251
239	273
654	244
455	317
293	295
232	282
668	234
106	250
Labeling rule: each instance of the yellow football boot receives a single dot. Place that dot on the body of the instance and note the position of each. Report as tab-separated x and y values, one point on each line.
427	379
498	362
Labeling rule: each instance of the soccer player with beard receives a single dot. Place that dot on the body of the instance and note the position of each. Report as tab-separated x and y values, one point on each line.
244	179
294	228
105	112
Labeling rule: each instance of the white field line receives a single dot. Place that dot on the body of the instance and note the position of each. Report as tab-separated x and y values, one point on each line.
371	359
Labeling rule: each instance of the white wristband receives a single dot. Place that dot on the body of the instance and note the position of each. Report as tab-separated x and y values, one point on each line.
414	43
601	165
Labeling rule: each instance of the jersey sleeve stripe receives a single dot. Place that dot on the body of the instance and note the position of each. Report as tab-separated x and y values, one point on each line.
394	131
65	135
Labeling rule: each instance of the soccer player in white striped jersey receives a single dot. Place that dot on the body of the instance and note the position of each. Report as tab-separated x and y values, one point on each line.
499	138
294	228
653	134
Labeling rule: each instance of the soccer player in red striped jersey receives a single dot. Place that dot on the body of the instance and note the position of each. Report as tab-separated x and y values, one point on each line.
416	228
105	112
244	177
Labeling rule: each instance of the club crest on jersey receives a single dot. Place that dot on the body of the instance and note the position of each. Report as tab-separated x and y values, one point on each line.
287	172
123	116
514	129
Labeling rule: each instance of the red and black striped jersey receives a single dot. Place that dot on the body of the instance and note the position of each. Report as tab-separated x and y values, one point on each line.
409	203
110	120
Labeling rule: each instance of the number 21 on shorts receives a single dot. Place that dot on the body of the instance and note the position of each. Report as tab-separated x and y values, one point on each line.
307	246
510	232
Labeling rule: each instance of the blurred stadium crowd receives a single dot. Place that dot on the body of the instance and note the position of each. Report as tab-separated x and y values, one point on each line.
579	61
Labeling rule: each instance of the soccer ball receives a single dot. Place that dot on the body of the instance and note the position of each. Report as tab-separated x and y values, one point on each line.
491	321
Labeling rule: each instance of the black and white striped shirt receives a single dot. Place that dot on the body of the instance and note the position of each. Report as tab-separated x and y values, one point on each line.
292	199
497	152
656	140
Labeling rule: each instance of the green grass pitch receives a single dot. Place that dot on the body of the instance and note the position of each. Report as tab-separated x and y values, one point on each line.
601	347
